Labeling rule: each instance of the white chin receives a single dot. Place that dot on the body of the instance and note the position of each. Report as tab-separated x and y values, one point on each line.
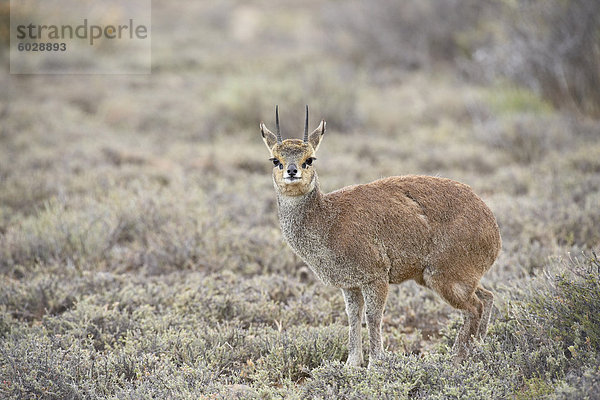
289	181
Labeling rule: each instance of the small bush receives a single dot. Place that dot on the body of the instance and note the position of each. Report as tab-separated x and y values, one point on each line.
525	138
291	355
569	307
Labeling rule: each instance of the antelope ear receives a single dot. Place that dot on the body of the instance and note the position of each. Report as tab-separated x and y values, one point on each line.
315	136
268	137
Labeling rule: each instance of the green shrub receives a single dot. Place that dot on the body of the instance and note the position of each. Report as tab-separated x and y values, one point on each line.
569	307
290	355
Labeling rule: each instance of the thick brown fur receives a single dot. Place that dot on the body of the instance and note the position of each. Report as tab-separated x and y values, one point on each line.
361	238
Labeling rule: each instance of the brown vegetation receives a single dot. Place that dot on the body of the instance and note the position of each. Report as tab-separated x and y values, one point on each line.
140	253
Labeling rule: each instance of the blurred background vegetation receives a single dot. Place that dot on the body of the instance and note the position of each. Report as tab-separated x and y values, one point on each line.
140	253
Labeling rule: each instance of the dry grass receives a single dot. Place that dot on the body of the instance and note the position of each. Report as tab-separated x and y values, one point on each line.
140	254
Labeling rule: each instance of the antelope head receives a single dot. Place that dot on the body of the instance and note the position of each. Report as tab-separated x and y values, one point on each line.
293	169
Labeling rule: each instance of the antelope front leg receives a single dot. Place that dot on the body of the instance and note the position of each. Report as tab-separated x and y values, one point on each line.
375	296
354	308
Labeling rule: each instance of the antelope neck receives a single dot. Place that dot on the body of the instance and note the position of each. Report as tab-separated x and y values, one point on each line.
294	210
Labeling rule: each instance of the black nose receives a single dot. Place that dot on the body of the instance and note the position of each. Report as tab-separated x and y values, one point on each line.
292	170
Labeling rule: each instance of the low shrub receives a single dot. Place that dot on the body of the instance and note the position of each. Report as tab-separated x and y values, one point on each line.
568	307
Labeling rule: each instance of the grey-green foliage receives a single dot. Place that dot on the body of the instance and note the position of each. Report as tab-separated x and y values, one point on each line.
543	346
127	337
568	306
190	339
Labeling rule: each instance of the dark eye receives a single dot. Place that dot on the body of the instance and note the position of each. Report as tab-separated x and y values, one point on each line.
308	161
276	163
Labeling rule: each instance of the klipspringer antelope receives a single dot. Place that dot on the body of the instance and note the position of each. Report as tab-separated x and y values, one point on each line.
362	238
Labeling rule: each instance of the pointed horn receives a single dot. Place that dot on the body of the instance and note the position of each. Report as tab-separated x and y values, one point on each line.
279	139
306	126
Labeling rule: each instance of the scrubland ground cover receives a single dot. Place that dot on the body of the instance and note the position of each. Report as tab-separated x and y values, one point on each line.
140	253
